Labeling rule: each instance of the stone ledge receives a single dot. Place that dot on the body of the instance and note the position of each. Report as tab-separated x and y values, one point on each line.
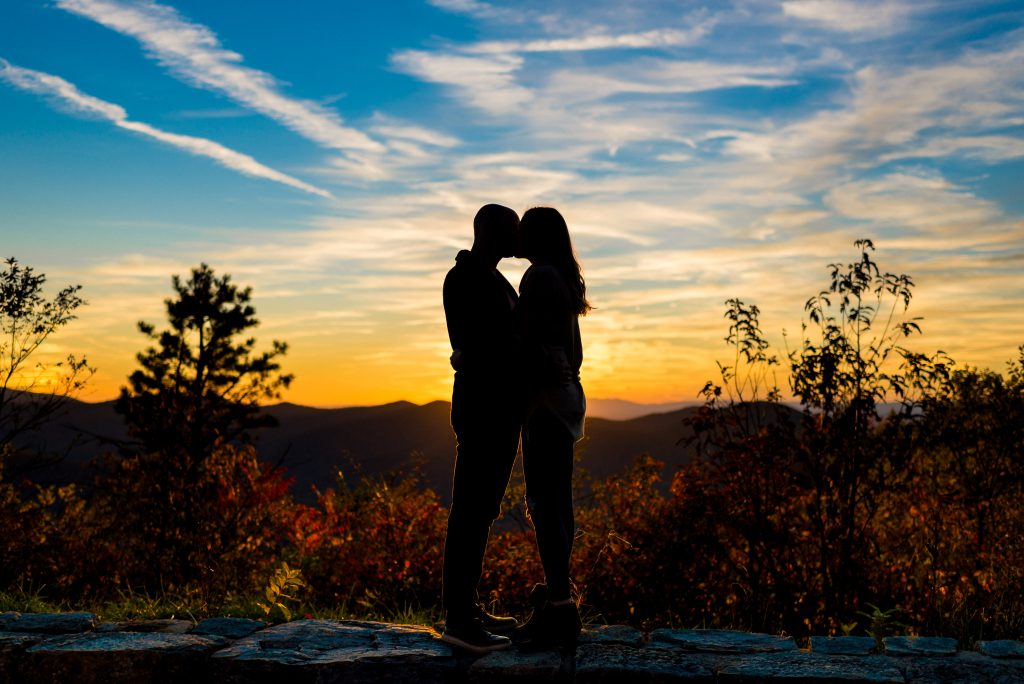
72	647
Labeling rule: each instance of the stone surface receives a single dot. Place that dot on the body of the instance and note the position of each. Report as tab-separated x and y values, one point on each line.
851	645
325	651
926	646
963	668
614	663
228	627
721	641
47	623
1002	648
807	667
355	652
12	646
512	666
612	634
163	626
116	657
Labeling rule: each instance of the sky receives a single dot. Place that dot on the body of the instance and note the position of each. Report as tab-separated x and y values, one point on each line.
332	155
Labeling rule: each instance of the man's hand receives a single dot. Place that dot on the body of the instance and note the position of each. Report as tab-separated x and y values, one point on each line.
456	359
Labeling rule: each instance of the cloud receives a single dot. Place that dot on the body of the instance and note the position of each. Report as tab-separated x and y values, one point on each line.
67	95
60	91
485	82
473	8
989	148
958	107
193	53
923	201
393	129
874	17
603	41
663	77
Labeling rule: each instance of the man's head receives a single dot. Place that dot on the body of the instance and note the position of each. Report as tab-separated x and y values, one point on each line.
494	231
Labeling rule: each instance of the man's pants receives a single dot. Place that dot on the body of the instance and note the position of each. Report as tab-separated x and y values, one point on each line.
547	465
487	431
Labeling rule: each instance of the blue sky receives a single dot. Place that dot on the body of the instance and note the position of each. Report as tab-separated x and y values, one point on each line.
332	157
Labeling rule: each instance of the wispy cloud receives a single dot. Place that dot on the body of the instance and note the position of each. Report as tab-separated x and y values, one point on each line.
474	8
652	76
871	17
925	202
399	130
68	95
193	53
962	106
485	82
604	41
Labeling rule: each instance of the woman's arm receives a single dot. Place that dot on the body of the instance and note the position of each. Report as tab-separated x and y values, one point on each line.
542	313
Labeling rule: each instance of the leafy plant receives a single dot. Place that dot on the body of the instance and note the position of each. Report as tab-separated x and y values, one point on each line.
284	580
883	623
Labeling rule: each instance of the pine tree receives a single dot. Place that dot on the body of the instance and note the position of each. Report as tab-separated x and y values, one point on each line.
200	385
190	409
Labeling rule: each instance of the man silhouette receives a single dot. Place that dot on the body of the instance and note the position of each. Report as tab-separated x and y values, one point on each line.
486	417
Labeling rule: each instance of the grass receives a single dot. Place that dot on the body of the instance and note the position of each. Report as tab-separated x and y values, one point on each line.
140	606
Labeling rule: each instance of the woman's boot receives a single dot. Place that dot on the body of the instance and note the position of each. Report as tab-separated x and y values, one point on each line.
557	626
538	597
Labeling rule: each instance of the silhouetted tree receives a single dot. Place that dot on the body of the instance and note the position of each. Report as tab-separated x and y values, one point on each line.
29	396
201	384
190	409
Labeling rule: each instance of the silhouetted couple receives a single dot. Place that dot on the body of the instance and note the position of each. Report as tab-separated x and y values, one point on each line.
517	361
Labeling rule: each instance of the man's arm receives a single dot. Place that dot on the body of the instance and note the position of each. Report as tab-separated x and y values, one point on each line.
456	310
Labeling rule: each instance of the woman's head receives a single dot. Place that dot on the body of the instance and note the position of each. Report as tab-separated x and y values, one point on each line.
544	238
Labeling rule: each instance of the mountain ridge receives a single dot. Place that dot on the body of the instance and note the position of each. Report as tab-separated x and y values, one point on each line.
313	443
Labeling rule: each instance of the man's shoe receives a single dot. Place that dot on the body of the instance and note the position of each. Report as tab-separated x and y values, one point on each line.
500	624
472	637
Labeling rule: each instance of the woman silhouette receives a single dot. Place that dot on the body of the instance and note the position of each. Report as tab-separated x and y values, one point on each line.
552	296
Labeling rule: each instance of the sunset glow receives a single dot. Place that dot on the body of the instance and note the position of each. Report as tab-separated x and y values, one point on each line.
332	158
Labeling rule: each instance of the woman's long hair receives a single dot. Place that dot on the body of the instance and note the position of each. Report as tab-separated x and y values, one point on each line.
545	238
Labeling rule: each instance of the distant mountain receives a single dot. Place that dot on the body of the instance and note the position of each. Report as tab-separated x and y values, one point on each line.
315	443
620	409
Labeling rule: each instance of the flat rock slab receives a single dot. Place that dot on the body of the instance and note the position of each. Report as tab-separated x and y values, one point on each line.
12	646
228	627
963	668
850	645
790	668
163	626
47	623
721	641
1001	648
919	646
18	640
612	634
119	657
511	666
613	663
327	651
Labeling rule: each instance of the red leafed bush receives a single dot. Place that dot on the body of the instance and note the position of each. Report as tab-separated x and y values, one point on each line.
376	544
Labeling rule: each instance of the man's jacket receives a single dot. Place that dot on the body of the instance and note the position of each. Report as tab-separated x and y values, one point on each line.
479	308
